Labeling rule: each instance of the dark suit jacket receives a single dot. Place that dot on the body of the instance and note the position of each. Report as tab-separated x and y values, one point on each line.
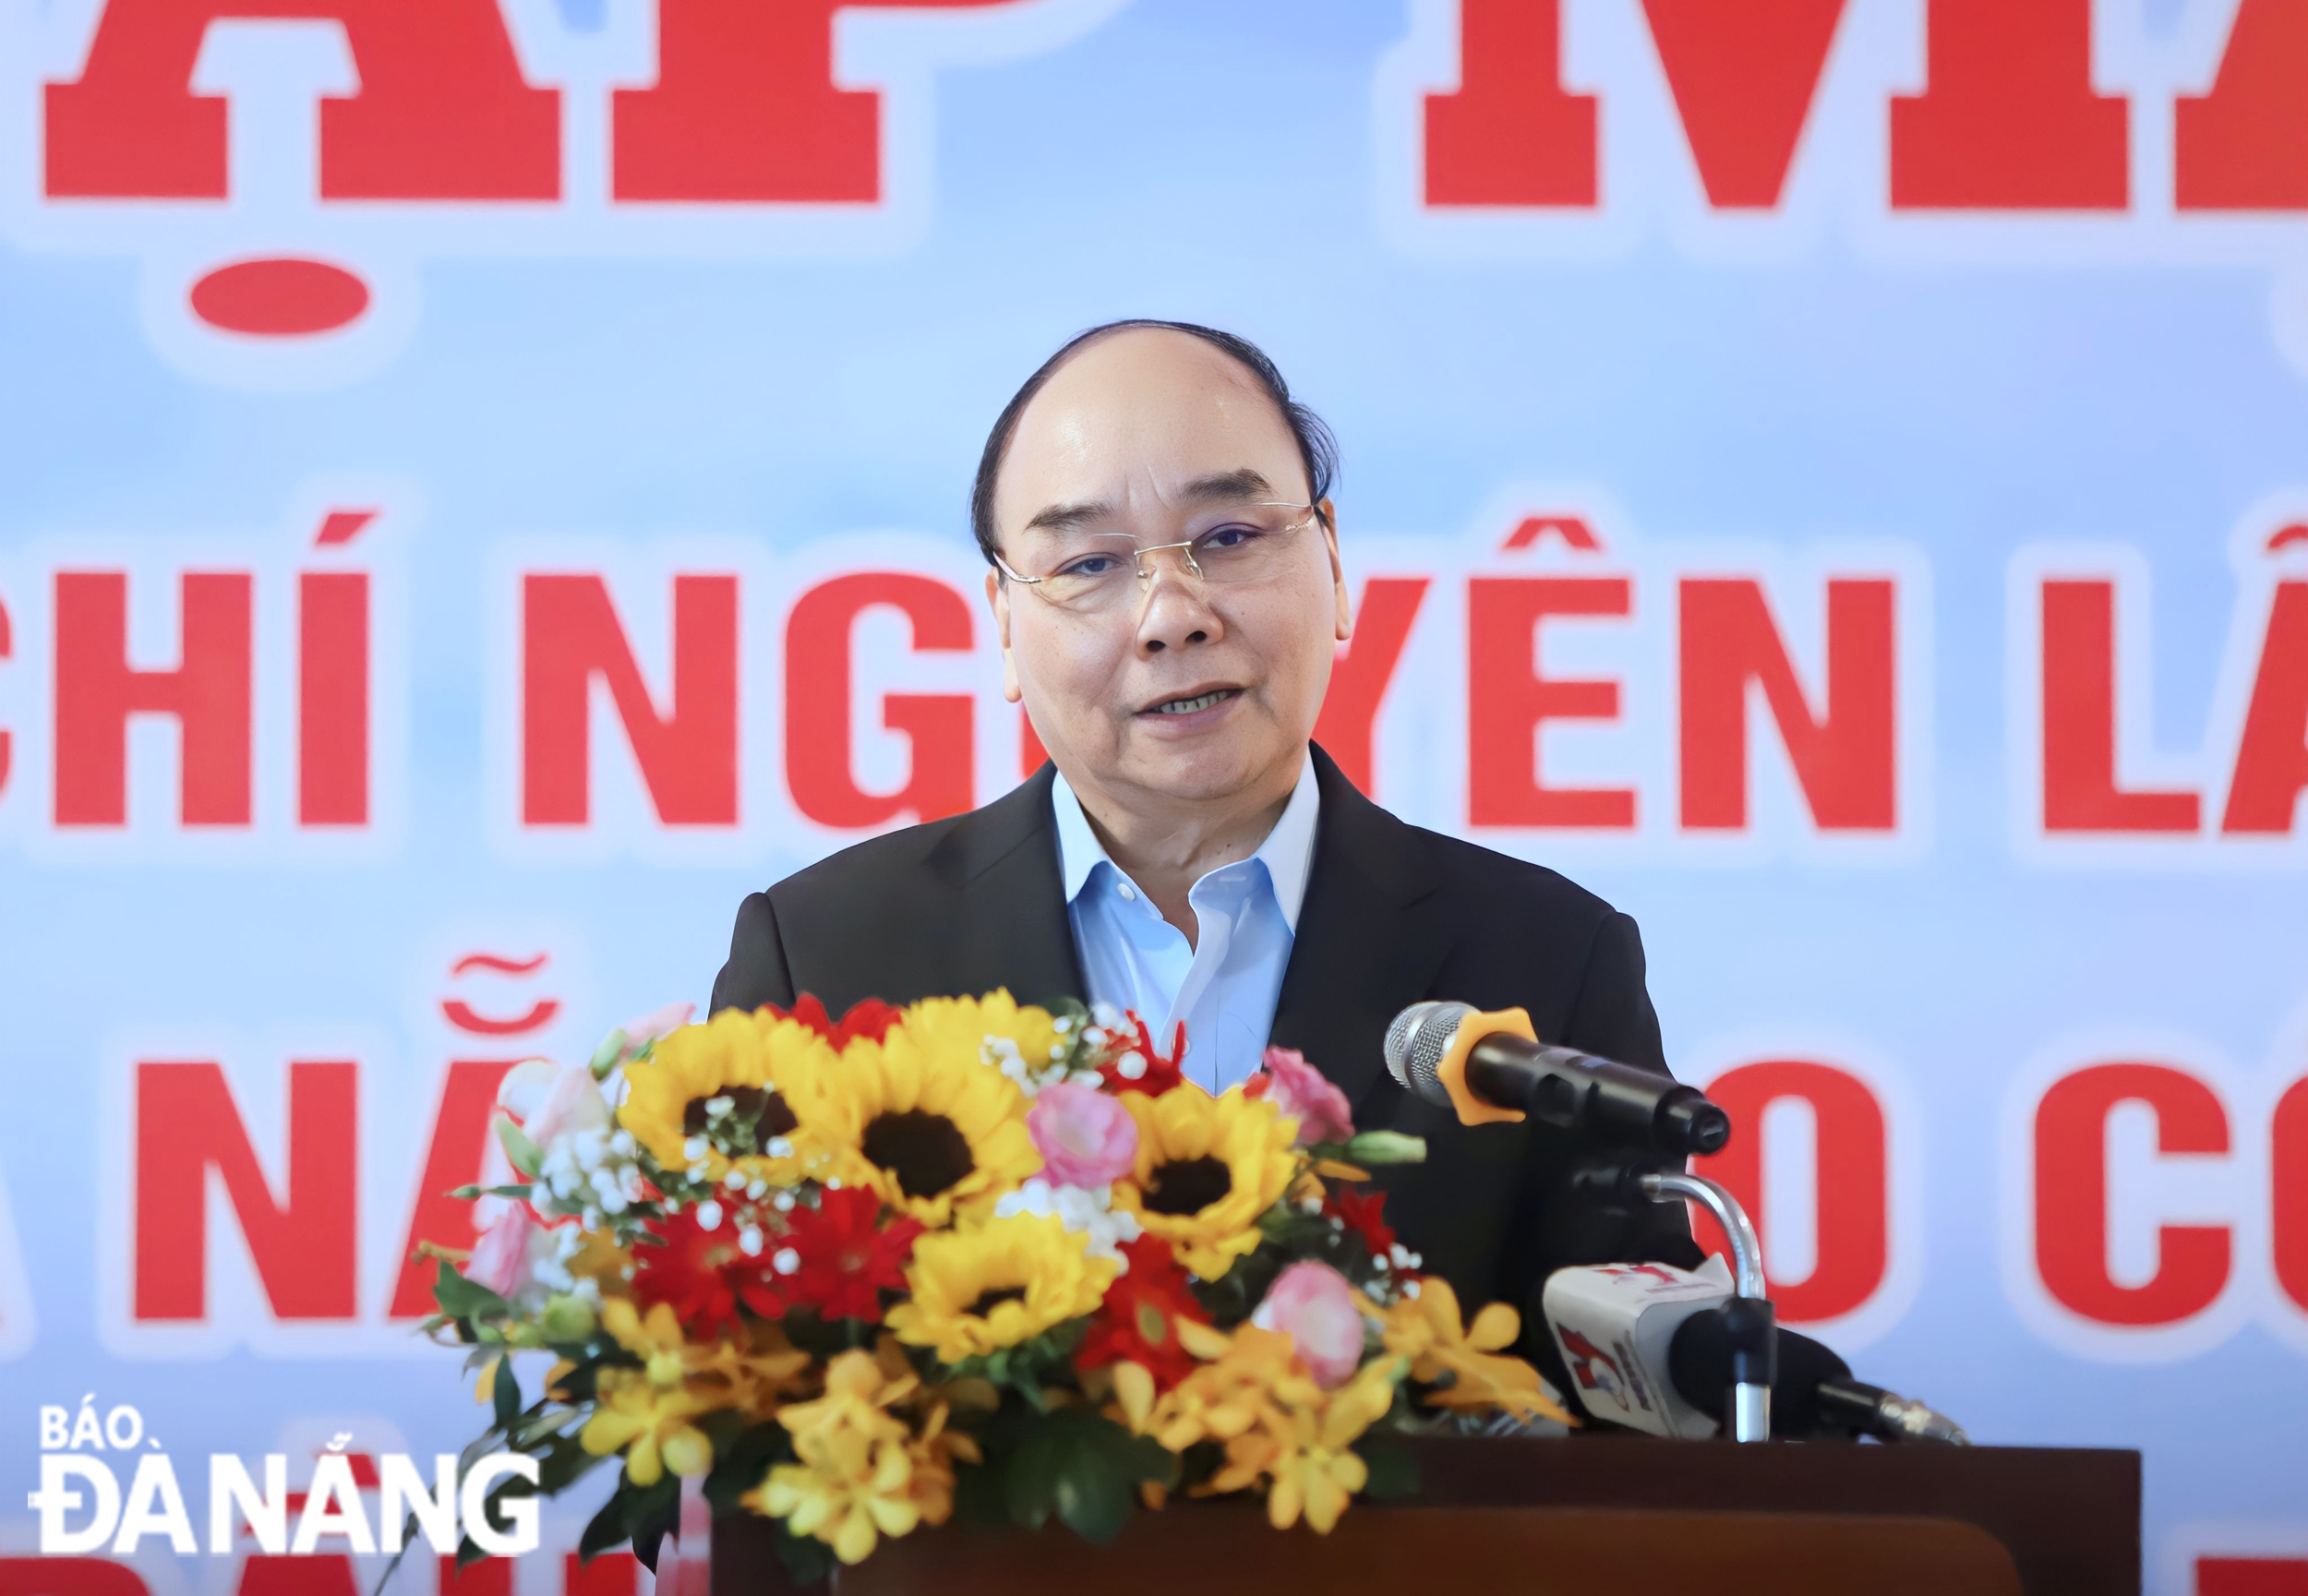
1393	914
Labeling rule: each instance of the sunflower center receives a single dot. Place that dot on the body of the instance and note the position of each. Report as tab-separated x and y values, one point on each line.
760	1106
1188	1186
988	1300
927	1152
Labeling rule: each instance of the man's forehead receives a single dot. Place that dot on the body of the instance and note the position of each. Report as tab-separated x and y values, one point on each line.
1141	417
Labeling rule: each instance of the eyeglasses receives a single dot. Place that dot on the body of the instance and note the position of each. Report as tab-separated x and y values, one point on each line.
1100	572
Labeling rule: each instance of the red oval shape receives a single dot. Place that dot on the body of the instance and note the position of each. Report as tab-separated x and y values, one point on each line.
282	297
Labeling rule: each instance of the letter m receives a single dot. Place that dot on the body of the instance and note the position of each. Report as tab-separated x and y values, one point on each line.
304	1244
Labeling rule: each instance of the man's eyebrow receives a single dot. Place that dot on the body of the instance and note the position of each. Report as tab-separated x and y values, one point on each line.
1229	487
1223	487
1066	517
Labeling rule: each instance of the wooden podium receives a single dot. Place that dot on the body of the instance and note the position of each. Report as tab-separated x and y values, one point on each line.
1598	1514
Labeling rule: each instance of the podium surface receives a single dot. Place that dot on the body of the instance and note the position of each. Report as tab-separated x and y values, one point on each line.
1590	1514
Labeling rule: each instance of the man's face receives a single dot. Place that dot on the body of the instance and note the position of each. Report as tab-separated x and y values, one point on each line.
1158	436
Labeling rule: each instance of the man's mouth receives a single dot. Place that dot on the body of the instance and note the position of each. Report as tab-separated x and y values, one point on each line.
1188	705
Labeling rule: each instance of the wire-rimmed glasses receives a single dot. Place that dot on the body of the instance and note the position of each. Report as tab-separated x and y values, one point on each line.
1092	572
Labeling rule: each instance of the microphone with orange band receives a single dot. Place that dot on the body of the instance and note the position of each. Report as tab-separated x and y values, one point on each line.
1493	1067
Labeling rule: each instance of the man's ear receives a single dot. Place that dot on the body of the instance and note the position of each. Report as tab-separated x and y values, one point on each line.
998	597
1344	628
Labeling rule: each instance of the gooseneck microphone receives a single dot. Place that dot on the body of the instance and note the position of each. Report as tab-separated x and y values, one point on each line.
1559	1086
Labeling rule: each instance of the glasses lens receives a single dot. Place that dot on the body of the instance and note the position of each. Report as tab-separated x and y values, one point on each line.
1098	571
1246	544
1249	544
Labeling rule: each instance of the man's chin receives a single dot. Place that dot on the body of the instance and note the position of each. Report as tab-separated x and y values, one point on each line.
1201	771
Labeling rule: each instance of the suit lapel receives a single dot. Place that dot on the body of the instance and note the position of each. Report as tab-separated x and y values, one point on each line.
1010	927
1369	941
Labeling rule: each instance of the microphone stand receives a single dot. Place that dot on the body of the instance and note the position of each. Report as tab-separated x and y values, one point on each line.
1748	1316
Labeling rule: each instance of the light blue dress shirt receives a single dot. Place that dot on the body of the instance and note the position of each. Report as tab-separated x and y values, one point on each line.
1226	985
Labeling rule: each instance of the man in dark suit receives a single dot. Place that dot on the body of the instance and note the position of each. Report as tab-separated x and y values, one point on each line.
1164	574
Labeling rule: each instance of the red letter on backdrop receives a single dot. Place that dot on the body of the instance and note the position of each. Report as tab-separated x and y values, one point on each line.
69	1576
1852	1214
2071	1195
97	691
2272	759
2079	729
333	698
1846	761
442	111
1508	702
2288	1185
461	1133
688	758
1510	135
745	107
1743	77
2008	120
1363	668
2244	145
304	1248
819	767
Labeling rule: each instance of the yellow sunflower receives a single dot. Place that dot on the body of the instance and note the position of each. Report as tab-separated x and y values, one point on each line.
926	1117
1208	1169
970	1292
736	1071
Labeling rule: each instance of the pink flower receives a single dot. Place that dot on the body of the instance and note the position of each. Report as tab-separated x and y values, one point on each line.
504	1258
1305	1094
1085	1137
1313	1306
550	1100
655	1025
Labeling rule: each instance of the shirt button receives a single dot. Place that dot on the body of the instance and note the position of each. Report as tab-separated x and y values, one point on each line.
1129	894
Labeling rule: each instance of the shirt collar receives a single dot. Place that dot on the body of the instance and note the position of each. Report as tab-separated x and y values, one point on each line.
1288	851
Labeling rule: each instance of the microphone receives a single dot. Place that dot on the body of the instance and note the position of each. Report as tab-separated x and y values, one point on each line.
1655	1349
1492	1067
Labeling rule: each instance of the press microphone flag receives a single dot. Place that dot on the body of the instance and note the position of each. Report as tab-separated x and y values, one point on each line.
1492	1067
1615	1327
1651	1347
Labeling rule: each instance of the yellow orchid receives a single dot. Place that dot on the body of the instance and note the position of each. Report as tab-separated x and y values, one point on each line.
650	1423
862	1472
1425	1328
1253	1394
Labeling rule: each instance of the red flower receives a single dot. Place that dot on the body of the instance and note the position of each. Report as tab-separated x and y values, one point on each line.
700	1273
870	1019
1134	1323
1155	1074
1358	1211
845	1264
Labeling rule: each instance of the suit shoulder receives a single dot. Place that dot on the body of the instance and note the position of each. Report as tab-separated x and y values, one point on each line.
1502	883
892	862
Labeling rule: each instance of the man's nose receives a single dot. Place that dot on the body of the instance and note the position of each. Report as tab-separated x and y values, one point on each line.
1175	610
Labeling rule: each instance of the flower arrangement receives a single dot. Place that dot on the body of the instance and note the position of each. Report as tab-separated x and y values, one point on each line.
966	1256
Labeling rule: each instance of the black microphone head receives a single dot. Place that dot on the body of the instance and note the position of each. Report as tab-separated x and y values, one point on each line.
1698	1362
1416	1042
1694	1126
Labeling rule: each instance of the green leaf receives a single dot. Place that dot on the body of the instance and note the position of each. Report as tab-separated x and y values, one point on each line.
1030	1481
807	1559
741	1461
1381	1147
1393	1471
518	1147
1093	1499
468	1553
605	1056
462	1298
606	1529
505	1392
978	1497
